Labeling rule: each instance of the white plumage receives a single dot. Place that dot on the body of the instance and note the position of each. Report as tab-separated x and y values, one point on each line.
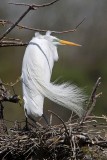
38	62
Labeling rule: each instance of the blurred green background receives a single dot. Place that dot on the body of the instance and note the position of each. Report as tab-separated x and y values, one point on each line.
81	65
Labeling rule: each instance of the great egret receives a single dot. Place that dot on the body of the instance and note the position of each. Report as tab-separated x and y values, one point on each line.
38	62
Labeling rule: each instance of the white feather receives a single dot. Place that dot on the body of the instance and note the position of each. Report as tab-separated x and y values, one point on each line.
36	75
48	33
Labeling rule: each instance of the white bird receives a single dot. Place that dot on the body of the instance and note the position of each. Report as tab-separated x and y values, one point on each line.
38	62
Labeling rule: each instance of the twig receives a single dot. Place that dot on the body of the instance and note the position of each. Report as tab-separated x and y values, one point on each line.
6	96
11	84
93	104
35	6
7	154
13	45
61	121
50	120
101	143
13	39
92	96
36	29
103	117
10	42
74	148
31	7
92	99
42	30
13	26
80	23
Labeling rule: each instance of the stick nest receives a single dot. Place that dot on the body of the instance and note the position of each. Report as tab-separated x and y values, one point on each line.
67	141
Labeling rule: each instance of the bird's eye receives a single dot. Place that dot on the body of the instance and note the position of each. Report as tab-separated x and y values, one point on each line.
55	40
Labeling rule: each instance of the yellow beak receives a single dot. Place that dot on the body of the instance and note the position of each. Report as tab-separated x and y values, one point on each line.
69	43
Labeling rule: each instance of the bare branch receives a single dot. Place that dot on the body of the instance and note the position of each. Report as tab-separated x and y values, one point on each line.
12	43
97	117
3	22
13	26
92	99
11	84
13	39
6	96
92	96
31	7
93	105
61	121
35	6
80	23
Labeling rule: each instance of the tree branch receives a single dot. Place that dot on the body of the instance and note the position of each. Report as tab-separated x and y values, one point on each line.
13	26
35	6
3	22
92	99
13	44
31	7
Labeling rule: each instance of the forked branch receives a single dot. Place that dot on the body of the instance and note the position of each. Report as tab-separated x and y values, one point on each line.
92	99
35	6
30	7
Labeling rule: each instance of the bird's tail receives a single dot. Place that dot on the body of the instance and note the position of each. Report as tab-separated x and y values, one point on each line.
64	94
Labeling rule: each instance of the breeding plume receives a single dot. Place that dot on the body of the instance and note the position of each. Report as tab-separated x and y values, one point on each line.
38	62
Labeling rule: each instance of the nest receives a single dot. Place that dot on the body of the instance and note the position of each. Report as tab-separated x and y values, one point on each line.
67	141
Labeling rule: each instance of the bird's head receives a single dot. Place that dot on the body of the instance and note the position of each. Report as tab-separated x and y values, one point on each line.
56	41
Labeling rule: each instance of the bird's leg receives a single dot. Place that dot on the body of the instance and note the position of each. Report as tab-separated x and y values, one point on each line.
46	120
26	124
